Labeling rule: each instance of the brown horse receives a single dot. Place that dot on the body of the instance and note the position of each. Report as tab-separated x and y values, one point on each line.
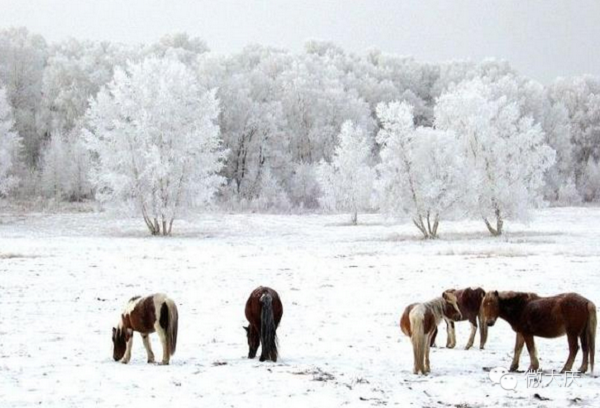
469	303
419	322
154	313
531	315
263	311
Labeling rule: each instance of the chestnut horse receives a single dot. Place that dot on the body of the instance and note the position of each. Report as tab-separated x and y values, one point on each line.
263	311
469	303
531	315
154	313
419	322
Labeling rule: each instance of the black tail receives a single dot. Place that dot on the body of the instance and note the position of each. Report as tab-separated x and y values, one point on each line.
169	320
268	336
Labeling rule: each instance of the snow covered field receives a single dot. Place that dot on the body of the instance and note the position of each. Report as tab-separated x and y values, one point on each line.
64	279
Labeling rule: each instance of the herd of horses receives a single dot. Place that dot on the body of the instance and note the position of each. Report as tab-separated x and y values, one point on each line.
528	314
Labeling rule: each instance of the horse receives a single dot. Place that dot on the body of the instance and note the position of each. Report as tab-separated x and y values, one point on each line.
154	313
469	303
263	311
532	315
419	321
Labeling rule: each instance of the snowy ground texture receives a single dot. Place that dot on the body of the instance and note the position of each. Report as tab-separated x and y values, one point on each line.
64	279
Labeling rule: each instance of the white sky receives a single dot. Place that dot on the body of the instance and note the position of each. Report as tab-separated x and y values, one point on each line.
541	38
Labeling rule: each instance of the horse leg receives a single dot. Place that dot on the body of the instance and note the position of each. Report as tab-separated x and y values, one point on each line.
533	358
472	335
148	348
127	355
162	335
416	365
573	349
433	336
520	342
482	331
451	340
585	348
426	365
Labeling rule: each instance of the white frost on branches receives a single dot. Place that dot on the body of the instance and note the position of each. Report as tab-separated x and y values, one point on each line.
347	182
9	146
422	174
154	132
506	151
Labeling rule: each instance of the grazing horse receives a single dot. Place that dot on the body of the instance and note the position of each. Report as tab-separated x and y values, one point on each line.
420	320
469	303
263	311
531	315
154	313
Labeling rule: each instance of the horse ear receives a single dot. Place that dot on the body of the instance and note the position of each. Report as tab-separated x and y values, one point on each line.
245	328
496	293
445	295
114	330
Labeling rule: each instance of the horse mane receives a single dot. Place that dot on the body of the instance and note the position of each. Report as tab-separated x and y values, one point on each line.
511	302
437	308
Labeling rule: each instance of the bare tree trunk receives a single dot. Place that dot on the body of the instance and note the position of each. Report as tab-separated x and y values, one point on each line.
354	217
497	231
432	228
421	226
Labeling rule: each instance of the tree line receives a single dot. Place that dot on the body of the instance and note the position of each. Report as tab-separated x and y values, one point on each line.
170	125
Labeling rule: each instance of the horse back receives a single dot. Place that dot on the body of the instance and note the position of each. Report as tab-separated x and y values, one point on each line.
553	316
469	302
141	316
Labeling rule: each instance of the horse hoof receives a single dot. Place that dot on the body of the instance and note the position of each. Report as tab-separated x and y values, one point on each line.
583	369
151	361
467	347
512	369
124	361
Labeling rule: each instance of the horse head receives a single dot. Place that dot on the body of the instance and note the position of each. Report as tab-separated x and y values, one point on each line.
491	307
119	339
451	309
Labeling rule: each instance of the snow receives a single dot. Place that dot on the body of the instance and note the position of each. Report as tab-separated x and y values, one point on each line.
66	276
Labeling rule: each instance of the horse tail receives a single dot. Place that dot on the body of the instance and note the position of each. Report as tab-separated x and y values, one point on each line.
268	335
591	333
169	320
418	338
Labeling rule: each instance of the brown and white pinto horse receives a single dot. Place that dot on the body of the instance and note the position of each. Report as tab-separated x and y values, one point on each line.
154	313
469	303
263	311
531	315
420	320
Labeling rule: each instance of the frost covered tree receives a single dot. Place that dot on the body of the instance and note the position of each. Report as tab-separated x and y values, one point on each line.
9	146
22	61
347	182
153	129
56	168
421	174
506	151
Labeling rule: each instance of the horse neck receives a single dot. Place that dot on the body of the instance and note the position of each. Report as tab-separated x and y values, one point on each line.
437	308
511	308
